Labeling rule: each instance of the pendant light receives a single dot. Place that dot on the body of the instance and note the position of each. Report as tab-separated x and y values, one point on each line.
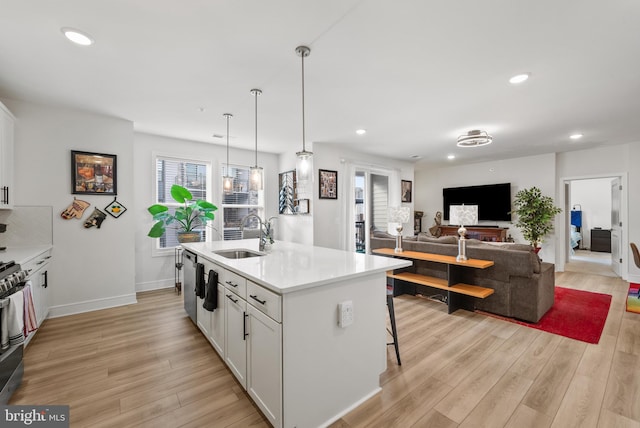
304	171
227	180
255	174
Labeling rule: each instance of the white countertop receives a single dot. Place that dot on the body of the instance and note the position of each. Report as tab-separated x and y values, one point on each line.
21	255
291	267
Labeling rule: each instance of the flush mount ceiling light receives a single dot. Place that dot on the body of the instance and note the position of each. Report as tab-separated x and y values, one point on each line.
304	171
255	175
519	78
474	138
227	180
576	136
77	36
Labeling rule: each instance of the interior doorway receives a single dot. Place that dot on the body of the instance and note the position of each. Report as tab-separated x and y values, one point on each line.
593	208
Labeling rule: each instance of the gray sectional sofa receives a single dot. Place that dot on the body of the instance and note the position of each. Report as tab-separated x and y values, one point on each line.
524	286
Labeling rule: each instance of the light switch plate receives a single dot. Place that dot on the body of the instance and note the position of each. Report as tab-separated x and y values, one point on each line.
345	313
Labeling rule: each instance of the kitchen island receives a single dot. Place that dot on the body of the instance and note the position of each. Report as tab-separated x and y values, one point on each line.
279	329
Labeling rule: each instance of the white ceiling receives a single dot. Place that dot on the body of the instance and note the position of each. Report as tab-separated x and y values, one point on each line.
414	73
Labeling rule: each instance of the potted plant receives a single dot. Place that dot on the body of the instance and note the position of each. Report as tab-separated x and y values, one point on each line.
535	215
191	215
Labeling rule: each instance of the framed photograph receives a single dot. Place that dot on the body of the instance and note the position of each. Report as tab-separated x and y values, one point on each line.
328	184
93	174
287	192
302	206
407	188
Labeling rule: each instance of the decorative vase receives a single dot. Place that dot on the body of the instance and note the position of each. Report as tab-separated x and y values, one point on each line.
188	237
537	249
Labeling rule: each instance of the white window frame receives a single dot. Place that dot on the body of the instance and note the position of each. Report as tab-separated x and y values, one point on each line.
156	250
259	206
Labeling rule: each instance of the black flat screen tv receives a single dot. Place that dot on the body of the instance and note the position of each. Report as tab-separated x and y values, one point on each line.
493	200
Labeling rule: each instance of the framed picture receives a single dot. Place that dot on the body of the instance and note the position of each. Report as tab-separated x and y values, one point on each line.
287	192
328	184
302	206
407	188
93	174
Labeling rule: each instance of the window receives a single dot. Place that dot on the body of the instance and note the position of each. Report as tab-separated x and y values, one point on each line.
240	203
190	174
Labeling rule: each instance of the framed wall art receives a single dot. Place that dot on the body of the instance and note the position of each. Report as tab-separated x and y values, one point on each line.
407	189
287	192
328	184
93	173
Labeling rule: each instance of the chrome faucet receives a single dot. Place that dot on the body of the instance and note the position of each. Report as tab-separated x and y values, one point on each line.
264	235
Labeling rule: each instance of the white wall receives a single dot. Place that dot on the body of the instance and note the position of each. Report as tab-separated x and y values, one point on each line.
295	228
619	160
593	198
92	268
522	173
330	216
158	272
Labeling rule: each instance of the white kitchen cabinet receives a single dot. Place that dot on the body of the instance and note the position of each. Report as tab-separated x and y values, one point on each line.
235	349
37	270
6	157
203	318
264	364
217	333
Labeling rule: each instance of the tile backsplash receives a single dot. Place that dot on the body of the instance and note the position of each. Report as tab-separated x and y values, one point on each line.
27	225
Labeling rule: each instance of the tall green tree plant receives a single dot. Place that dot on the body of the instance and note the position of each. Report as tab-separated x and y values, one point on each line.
535	214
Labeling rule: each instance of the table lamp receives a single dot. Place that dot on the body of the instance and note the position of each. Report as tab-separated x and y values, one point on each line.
461	215
397	217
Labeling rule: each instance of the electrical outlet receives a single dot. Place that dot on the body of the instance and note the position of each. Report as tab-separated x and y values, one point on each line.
345	313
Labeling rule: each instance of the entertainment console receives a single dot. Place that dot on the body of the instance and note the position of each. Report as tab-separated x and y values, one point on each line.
493	234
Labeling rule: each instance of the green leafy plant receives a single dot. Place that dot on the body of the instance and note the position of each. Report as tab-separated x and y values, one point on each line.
535	214
191	215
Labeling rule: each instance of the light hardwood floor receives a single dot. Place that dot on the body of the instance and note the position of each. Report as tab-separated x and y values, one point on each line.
147	365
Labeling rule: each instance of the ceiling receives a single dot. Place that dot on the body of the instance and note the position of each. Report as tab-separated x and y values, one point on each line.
415	74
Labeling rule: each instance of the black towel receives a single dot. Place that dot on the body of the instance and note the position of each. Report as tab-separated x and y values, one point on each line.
200	280
211	301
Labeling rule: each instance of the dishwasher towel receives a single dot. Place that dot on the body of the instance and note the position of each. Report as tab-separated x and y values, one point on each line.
15	320
200	280
211	300
30	322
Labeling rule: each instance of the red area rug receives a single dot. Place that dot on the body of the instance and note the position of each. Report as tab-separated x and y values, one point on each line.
575	314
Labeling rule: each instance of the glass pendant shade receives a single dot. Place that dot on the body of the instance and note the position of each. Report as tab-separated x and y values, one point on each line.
304	166
227	180
227	184
256	178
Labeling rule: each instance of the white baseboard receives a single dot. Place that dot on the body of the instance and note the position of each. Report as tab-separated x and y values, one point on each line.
350	408
634	278
155	285
91	305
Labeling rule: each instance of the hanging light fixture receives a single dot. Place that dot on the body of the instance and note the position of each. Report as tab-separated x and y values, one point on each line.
304	171
474	138
227	180
255	175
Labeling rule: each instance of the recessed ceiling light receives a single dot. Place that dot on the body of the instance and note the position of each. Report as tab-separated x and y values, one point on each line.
519	78
575	136
361	131
77	36
451	157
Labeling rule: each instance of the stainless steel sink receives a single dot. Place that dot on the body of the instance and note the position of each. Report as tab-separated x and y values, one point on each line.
238	253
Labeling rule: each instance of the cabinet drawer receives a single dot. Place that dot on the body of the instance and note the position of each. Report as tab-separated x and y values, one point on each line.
37	262
234	282
265	300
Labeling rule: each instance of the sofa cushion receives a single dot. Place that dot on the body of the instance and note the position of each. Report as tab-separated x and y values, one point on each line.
423	237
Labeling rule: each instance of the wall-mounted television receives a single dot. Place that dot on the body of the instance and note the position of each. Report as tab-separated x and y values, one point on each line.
493	200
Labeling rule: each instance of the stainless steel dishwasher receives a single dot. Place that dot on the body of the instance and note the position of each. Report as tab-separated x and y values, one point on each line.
190	261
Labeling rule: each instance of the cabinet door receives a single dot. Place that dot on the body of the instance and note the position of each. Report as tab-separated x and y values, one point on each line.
264	364
216	334
6	157
203	317
41	282
235	349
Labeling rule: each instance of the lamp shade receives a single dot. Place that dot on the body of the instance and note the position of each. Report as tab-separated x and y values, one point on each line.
399	214
463	214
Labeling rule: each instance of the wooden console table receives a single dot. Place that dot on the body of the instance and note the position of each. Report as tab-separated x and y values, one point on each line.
459	295
493	234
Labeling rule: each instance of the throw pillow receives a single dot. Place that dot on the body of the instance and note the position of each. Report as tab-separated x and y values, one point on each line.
423	237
